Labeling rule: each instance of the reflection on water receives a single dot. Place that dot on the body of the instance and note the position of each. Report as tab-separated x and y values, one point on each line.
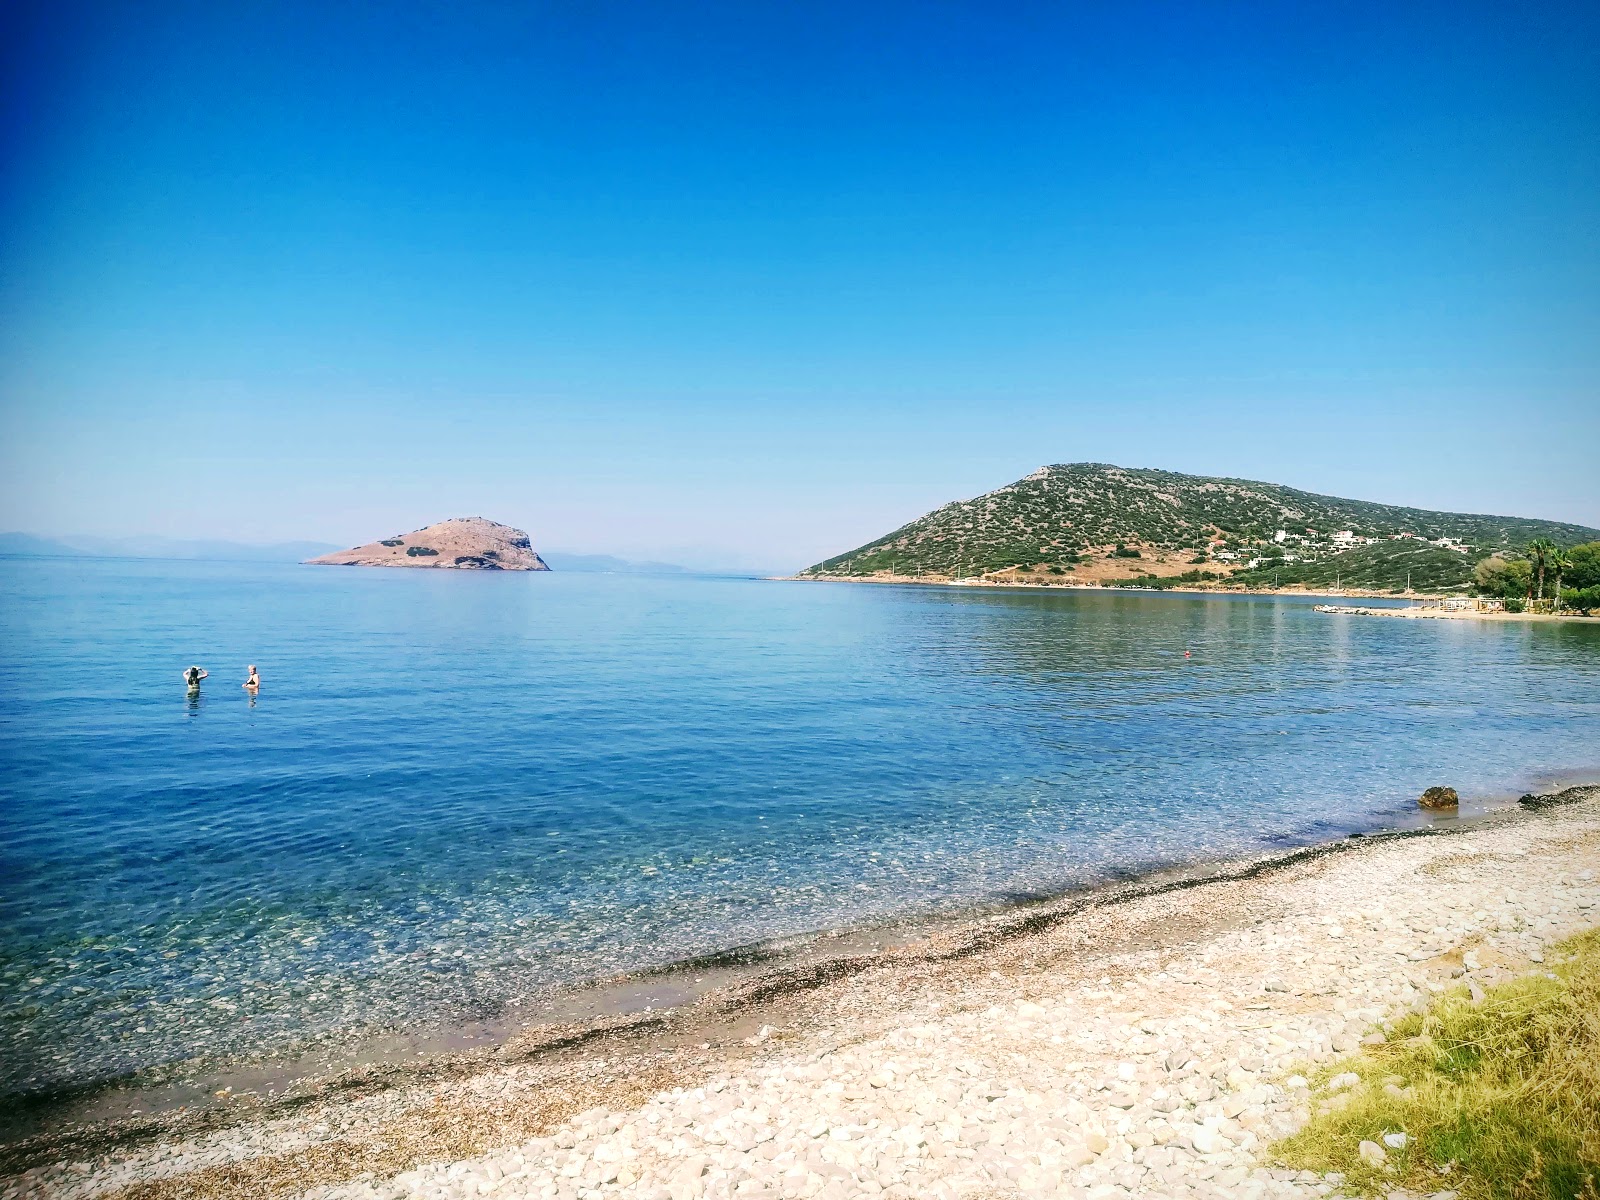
468	788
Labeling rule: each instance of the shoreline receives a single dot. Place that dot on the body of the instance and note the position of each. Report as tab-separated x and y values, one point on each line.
1194	590
1440	614
1404	606
560	1071
608	1005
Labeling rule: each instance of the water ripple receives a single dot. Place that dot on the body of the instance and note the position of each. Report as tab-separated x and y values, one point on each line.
454	791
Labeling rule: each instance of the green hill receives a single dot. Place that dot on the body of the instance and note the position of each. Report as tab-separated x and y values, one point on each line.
1061	515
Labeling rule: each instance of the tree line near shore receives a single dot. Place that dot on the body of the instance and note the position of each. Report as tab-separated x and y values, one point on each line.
1568	577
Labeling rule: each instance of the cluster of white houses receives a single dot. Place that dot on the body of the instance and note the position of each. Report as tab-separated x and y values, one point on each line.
1344	539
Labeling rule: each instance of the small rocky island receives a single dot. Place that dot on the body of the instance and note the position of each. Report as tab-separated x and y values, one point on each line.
464	543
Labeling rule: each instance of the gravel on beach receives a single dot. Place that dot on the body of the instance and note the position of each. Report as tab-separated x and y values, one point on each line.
1155	1046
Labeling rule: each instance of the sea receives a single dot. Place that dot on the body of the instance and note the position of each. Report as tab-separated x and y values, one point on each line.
456	792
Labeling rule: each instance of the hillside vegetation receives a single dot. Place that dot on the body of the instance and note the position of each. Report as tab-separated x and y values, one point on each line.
1387	564
1063	516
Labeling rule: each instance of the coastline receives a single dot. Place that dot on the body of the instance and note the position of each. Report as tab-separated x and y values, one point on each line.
578	1010
1440	614
1394	610
1194	590
754	1031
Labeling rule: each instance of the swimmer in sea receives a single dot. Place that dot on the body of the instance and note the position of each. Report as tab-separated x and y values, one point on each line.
253	682
193	676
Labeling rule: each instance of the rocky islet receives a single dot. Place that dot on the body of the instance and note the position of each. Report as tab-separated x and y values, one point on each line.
462	543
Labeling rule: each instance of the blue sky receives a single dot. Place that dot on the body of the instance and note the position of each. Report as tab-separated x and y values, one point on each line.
752	284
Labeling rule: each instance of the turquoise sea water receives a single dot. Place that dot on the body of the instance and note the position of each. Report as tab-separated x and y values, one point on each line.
455	790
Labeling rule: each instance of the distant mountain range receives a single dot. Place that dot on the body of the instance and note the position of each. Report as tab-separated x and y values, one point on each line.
26	544
608	565
1094	522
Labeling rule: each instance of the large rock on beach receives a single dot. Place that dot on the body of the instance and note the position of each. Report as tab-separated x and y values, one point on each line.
463	544
1439	797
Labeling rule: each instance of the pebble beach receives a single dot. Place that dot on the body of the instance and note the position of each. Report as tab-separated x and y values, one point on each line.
1152	1040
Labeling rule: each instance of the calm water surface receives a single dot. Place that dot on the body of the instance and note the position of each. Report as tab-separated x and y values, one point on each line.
455	790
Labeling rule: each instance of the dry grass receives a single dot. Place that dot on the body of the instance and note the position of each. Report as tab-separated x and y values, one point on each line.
1499	1098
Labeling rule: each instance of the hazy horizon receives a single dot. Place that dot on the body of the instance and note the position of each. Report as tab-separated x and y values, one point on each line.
756	286
691	556
151	545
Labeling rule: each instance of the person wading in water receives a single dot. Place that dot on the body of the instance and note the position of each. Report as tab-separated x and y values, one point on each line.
193	676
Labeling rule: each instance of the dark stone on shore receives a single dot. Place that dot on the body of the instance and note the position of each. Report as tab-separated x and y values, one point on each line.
1571	795
1439	797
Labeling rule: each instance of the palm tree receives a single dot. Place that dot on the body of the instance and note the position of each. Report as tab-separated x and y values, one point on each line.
1560	563
1539	551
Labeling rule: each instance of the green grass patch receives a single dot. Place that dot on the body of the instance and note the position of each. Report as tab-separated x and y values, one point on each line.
1498	1099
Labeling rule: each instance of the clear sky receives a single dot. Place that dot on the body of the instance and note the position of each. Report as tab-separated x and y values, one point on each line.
752	283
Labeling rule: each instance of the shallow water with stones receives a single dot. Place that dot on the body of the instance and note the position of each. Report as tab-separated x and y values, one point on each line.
455	791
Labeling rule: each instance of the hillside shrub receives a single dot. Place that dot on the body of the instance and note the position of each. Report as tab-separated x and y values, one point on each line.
392	542
1054	570
420	552
1123	552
